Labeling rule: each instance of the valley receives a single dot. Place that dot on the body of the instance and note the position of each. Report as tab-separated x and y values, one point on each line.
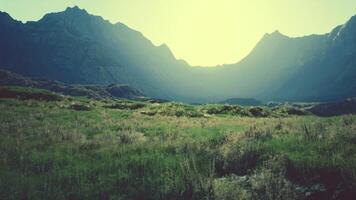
91	109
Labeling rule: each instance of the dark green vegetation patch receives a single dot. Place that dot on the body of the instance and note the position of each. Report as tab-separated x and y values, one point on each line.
28	93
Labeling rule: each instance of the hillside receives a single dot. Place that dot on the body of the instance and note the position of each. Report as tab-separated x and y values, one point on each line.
8	78
344	107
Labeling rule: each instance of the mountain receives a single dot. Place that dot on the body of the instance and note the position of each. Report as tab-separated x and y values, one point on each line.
332	75
275	60
76	47
309	68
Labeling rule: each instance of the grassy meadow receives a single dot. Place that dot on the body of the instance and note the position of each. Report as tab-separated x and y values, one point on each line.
76	148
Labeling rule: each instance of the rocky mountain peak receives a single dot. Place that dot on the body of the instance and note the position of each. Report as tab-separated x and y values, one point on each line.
73	20
277	34
70	13
346	31
5	17
76	10
166	50
273	37
351	24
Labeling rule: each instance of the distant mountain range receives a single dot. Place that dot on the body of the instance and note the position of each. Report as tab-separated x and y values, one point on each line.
75	47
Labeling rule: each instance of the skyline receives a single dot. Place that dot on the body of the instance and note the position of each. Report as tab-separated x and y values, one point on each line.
201	38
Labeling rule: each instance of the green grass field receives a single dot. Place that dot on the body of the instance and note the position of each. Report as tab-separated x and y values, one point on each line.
130	150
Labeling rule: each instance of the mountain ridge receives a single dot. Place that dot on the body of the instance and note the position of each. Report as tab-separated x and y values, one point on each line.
74	46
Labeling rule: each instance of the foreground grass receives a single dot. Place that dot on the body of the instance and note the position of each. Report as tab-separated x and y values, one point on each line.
50	151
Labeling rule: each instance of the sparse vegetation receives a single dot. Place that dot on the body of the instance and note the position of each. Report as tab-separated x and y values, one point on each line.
49	150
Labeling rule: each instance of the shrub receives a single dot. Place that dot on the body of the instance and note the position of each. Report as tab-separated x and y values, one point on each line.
231	188
131	137
261	185
285	110
256	133
271	186
174	110
226	109
198	185
240	159
126	105
80	107
314	132
259	112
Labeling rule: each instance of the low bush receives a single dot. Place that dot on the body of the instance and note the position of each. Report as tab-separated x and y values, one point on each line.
172	109
126	105
262	184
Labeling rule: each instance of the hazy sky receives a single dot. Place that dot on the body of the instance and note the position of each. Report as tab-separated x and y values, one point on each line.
203	32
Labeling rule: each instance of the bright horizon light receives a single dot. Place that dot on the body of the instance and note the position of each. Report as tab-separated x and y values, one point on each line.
205	33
